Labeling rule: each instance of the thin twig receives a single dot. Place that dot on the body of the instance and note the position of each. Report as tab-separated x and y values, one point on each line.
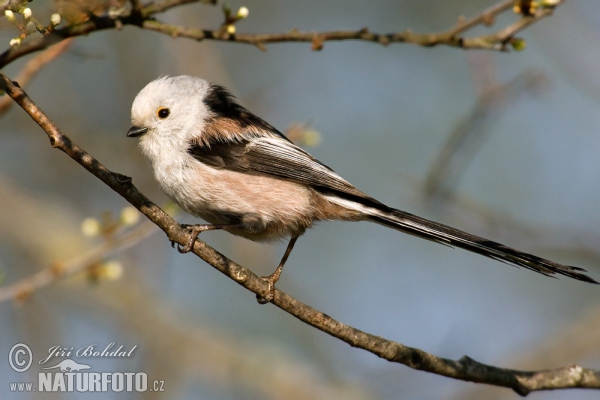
522	382
486	17
144	18
468	135
27	286
33	66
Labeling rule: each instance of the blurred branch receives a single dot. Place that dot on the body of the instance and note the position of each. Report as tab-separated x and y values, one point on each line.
24	288
143	17
164	5
522	382
31	69
466	138
199	349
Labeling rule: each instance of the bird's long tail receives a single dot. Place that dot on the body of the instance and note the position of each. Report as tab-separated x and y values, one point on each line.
444	234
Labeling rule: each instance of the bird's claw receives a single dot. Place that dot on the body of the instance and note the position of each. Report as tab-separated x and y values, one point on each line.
194	230
270	292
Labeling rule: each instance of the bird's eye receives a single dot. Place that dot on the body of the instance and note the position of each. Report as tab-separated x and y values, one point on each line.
163	112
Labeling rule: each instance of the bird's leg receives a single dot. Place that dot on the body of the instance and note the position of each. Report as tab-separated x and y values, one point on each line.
195	230
274	277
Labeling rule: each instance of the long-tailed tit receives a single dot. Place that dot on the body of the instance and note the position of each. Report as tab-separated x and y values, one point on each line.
222	163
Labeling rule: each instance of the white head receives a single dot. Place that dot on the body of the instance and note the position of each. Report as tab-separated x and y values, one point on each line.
169	111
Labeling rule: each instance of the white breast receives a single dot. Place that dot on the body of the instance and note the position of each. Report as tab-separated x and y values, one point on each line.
270	208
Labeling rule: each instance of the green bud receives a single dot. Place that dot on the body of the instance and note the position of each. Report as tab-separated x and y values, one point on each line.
518	44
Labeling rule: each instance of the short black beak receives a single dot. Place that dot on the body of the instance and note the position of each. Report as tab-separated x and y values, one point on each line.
136	131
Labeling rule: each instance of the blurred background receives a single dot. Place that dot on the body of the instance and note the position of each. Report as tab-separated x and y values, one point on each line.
503	145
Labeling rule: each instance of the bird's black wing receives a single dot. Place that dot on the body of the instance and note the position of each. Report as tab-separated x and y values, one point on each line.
270	156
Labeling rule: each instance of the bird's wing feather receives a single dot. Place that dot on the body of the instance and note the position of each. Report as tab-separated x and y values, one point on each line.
276	157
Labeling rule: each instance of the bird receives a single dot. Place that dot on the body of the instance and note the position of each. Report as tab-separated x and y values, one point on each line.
222	163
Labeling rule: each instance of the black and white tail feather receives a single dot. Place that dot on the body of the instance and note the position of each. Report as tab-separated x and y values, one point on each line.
443	234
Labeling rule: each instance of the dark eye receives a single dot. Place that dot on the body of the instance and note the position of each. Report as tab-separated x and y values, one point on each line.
163	112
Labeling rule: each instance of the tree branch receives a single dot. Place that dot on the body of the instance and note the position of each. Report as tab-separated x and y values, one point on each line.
24	288
34	66
467	369
467	137
144	18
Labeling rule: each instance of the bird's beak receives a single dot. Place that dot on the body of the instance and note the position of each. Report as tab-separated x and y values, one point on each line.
136	131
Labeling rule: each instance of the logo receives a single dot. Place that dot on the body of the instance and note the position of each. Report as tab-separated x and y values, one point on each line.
69	375
20	357
69	366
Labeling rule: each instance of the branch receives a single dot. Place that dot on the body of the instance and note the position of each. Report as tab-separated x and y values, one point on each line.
24	288
450	38
467	369
144	18
34	66
467	137
206	351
